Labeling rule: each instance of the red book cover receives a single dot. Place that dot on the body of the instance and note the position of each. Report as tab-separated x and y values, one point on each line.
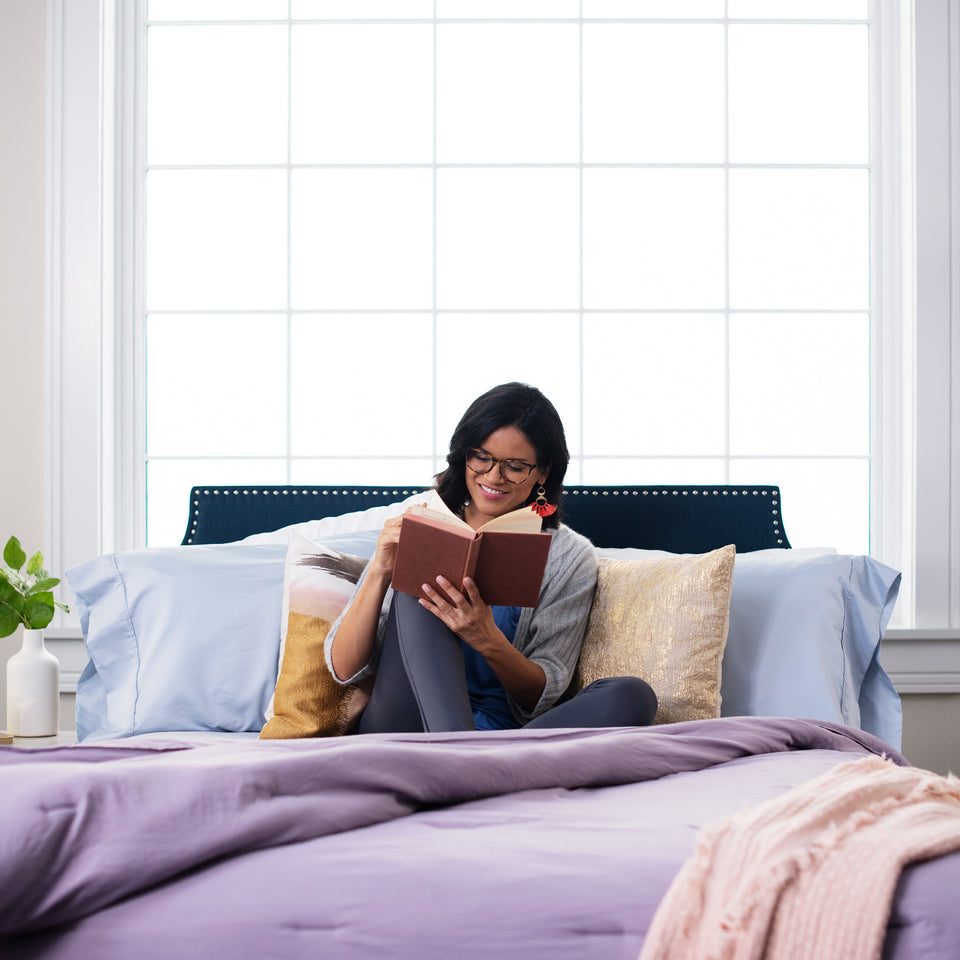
506	566
430	548
510	567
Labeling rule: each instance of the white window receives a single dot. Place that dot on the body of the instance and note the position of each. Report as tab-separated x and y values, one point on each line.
688	221
660	213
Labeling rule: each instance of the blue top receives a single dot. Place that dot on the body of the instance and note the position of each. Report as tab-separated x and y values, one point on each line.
487	697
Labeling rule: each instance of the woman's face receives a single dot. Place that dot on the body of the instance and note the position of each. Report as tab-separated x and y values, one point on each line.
491	494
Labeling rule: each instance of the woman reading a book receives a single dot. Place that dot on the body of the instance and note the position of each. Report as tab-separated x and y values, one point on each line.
445	659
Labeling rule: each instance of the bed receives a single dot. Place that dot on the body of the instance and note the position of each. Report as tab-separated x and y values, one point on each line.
176	829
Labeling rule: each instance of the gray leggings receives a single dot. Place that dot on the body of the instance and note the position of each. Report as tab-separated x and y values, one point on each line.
421	684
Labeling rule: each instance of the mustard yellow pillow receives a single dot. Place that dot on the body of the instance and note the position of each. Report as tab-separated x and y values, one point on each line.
307	701
664	620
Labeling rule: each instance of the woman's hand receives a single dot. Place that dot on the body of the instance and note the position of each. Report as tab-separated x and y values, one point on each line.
385	556
464	612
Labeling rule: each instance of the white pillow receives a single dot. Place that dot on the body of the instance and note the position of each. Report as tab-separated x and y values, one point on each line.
359	521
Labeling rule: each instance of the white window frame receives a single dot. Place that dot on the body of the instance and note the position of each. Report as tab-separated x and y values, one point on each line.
94	496
936	444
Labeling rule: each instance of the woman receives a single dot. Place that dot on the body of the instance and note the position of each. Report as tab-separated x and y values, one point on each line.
448	661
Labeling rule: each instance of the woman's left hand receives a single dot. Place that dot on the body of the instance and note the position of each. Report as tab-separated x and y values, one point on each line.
463	611
466	614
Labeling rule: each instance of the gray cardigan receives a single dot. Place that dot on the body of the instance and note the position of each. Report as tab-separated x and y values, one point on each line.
549	634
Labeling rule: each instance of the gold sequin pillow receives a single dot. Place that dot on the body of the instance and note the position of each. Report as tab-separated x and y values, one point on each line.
307	701
665	620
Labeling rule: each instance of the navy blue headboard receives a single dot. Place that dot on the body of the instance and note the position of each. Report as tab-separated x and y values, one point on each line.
689	519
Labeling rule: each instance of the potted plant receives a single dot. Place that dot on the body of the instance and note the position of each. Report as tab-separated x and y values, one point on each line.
25	598
33	674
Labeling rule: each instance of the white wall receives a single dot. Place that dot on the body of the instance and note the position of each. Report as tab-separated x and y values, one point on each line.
22	219
931	731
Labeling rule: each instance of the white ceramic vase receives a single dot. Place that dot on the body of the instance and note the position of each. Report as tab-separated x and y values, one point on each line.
33	689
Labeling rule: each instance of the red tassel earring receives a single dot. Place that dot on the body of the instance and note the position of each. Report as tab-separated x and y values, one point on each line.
540	505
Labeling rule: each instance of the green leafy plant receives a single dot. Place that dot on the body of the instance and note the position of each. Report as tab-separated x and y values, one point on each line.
25	597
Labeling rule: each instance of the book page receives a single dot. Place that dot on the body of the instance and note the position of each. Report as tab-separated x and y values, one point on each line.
523	520
436	509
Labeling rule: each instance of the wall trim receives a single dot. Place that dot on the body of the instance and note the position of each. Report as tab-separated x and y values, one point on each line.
922	661
72	321
918	661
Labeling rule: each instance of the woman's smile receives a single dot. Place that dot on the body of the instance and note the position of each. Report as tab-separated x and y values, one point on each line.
491	492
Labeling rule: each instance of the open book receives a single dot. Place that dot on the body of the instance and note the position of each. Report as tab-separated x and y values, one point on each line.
506	557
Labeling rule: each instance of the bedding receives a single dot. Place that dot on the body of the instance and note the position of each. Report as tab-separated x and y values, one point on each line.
518	843
810	873
804	637
327	785
172	829
183	638
816	616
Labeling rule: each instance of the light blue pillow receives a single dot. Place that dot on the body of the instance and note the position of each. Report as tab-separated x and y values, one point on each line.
183	638
804	638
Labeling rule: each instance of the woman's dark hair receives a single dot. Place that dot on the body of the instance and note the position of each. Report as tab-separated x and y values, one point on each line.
508	405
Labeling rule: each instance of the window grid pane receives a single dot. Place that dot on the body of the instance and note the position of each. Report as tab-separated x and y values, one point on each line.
679	289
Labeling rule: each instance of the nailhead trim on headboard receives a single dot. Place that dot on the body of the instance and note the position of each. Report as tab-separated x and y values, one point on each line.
398	493
687	529
773	495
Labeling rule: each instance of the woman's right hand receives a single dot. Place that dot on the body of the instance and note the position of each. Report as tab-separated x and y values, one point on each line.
385	556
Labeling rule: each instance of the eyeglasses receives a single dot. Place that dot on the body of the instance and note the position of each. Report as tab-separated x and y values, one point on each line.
513	471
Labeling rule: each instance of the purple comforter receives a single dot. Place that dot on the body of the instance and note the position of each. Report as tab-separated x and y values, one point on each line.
537	843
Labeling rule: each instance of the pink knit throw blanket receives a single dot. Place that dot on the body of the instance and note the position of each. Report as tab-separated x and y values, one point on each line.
810	874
